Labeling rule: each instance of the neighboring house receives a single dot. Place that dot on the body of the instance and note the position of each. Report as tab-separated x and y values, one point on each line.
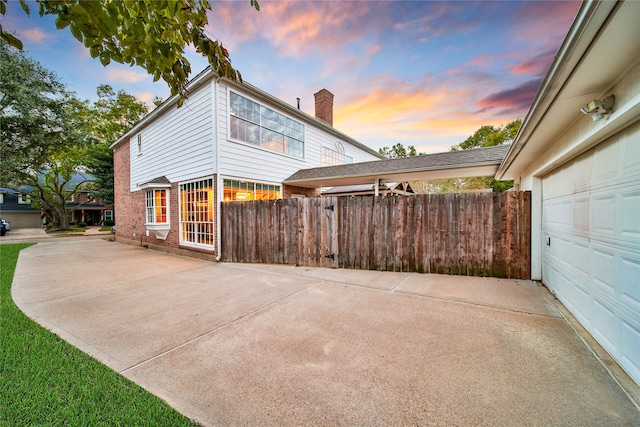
228	142
83	208
15	207
584	174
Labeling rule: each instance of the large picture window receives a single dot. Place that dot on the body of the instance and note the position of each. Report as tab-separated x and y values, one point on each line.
258	125
196	213
156	206
246	190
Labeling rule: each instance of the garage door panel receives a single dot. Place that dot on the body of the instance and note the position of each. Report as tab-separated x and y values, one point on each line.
604	214
604	263
630	214
593	263
604	322
630	281
581	262
605	161
630	355
581	214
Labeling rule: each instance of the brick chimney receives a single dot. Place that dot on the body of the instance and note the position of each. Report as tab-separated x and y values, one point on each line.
324	106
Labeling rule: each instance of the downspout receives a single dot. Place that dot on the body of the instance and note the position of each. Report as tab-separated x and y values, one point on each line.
218	180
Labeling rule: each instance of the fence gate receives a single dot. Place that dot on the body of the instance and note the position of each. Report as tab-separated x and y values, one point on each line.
318	232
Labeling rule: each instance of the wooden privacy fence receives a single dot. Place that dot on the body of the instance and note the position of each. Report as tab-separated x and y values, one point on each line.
476	234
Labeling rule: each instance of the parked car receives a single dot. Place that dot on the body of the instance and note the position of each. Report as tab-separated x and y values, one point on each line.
6	224
3	229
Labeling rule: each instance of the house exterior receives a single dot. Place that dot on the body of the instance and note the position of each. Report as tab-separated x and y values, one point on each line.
228	142
15	207
581	161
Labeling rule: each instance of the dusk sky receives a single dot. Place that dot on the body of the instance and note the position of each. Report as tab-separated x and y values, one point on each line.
420	73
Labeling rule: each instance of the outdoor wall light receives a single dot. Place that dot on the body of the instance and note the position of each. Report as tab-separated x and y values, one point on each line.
599	108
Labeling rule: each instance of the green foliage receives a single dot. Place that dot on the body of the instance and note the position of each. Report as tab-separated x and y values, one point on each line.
53	188
399	151
48	382
109	223
149	33
489	136
108	118
33	114
486	136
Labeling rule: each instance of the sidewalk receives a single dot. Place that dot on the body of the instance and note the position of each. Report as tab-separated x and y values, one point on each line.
28	235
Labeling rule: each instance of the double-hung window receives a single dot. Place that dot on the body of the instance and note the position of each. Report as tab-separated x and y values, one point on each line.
256	124
157	207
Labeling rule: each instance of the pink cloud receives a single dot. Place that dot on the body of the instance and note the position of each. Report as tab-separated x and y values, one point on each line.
34	35
125	75
535	66
516	100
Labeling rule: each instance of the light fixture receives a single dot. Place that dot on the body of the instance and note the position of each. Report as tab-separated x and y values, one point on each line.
600	108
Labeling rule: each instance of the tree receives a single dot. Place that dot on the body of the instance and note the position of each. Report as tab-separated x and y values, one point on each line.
109	117
44	140
399	151
32	114
486	136
58	184
489	136
149	33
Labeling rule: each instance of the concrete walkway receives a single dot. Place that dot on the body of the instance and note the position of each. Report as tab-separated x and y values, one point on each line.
236	344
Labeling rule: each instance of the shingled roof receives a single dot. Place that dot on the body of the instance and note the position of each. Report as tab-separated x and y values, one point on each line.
450	164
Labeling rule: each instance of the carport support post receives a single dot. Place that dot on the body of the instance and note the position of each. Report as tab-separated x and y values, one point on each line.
376	186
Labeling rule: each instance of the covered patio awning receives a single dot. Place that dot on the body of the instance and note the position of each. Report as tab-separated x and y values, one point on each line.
451	164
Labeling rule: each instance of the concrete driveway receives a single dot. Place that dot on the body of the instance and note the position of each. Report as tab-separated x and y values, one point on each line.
236	344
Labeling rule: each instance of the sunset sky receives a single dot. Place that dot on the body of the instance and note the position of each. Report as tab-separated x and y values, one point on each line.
420	73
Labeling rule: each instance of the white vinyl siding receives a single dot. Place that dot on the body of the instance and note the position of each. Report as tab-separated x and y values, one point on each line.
179	144
243	161
591	243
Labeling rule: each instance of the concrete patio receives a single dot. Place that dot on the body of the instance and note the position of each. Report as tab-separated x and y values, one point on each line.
238	344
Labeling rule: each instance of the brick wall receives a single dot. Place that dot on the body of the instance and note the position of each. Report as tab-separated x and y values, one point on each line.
130	213
324	106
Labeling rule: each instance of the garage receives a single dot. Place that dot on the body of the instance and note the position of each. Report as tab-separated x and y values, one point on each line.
591	242
23	219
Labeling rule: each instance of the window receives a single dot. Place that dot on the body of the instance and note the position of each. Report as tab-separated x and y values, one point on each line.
235	191
139	139
1	197
258	125
196	213
108	215
24	199
156	206
335	156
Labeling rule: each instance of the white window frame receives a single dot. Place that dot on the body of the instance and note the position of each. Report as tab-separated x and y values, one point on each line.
254	187
24	199
139	143
108	214
159	229
211	224
151	210
259	146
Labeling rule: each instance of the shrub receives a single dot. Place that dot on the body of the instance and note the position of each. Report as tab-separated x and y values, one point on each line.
82	224
109	223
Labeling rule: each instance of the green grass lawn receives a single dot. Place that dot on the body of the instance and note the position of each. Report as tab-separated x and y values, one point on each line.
44	381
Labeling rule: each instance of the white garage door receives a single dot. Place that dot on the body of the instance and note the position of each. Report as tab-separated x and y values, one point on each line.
591	243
